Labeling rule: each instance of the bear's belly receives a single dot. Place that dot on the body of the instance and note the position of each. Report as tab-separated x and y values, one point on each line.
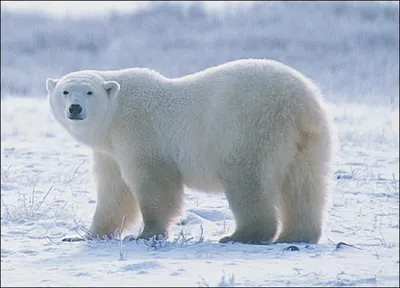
200	176
206	184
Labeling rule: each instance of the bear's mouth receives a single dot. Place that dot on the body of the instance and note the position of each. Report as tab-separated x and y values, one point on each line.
75	117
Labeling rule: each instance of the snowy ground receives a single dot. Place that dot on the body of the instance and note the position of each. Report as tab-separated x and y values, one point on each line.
47	193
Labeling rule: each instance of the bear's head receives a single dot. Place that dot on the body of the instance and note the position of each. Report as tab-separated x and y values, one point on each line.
81	102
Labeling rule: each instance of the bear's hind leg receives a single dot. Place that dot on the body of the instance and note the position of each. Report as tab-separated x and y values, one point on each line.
304	192
253	209
114	198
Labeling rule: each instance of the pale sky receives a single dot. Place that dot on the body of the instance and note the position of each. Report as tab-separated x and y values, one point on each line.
75	8
81	8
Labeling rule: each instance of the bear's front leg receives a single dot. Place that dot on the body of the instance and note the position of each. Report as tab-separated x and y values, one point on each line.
114	200
158	189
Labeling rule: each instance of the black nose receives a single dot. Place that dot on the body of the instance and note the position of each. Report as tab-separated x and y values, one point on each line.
75	109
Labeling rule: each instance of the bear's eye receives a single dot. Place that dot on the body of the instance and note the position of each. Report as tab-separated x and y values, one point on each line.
89	93
65	92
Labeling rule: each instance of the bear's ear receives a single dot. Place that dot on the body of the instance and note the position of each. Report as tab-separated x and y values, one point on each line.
50	84
112	88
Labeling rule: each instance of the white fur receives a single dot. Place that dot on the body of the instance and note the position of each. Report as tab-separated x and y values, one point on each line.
256	129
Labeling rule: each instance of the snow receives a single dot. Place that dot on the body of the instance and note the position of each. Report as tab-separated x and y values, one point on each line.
47	191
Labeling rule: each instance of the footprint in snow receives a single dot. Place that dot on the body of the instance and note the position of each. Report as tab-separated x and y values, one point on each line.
146	265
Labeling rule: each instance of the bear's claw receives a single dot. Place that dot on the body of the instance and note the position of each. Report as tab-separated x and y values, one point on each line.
234	239
74	239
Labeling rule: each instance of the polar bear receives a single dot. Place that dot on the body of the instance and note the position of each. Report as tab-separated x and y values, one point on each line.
255	129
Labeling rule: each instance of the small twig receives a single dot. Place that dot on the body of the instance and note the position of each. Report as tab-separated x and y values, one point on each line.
44	198
383	239
5	206
204	282
88	234
76	171
177	239
330	241
201	239
340	244
77	232
5	172
394	182
156	241
121	244
52	242
33	195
